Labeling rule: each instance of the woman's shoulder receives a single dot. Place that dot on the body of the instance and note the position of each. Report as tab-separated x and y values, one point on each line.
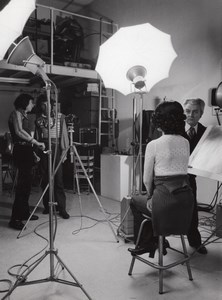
171	138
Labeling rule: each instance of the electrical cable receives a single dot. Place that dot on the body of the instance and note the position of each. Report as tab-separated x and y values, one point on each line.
9	282
211	206
24	264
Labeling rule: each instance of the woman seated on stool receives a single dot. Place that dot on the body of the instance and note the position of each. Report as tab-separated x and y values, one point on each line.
169	198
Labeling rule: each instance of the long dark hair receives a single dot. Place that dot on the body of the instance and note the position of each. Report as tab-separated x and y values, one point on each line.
22	101
169	117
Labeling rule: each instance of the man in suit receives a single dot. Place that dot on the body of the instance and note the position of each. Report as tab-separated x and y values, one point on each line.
193	109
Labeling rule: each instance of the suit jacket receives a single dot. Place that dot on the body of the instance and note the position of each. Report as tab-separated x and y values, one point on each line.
200	131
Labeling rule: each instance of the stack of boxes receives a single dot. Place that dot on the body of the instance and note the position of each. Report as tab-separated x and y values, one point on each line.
126	225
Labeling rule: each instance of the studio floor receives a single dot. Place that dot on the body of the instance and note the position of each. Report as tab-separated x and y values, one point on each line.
87	246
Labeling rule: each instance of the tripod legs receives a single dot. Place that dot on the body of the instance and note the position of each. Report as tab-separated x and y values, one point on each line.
22	279
73	148
94	192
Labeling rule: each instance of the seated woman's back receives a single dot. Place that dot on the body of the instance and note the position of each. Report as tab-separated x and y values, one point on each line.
171	155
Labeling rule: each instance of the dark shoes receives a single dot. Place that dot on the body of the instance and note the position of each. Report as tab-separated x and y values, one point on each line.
201	249
16	224
64	214
33	218
142	250
151	248
19	225
46	211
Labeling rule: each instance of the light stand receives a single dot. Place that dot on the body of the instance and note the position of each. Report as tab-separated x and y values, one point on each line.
19	56
137	75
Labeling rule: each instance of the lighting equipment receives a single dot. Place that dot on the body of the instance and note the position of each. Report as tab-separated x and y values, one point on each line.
218	95
23	54
127	58
12	21
137	75
135	47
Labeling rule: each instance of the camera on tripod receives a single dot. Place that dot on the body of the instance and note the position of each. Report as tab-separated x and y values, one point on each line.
71	121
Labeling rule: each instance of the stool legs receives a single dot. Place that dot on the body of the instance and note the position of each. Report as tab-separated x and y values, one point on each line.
186	255
160	250
136	246
160	265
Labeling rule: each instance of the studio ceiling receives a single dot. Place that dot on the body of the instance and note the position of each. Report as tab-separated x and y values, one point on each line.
70	5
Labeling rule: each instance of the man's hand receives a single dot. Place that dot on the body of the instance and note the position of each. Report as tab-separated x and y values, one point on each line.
41	145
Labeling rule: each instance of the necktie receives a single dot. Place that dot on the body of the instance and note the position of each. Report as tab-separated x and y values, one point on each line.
191	132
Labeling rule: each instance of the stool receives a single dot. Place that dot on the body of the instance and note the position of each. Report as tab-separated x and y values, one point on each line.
160	266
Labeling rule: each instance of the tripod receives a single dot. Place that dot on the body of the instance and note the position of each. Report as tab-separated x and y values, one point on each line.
73	152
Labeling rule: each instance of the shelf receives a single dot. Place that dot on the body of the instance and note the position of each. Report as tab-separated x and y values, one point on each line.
60	75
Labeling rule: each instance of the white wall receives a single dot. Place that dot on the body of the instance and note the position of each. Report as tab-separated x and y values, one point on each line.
7	99
196	31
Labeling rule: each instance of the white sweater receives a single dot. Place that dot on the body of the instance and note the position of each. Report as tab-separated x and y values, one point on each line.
165	156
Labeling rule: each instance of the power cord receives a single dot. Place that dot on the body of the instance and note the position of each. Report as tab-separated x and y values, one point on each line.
211	206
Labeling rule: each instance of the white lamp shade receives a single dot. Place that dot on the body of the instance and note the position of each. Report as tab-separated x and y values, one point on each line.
24	55
12	21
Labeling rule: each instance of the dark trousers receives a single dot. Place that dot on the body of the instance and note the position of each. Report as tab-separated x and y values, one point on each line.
138	207
193	236
58	191
23	159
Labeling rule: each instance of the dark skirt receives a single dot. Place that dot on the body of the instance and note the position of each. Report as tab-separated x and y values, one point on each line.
172	205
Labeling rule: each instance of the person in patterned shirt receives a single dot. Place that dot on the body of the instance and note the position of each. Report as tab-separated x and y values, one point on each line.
59	144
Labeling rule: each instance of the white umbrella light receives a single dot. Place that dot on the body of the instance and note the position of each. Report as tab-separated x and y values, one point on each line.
12	21
142	46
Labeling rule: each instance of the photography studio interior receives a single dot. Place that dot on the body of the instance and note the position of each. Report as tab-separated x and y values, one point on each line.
84	91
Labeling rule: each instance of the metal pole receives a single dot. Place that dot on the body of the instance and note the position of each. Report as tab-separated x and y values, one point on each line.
141	144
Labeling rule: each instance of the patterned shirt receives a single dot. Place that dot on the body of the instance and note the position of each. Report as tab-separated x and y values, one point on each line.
165	156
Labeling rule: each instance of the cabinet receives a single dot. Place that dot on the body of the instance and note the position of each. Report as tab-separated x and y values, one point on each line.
116	176
87	108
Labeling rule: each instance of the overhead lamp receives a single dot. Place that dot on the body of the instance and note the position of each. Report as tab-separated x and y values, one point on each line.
137	75
23	55
218	95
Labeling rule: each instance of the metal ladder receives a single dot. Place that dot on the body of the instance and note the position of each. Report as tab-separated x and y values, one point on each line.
108	122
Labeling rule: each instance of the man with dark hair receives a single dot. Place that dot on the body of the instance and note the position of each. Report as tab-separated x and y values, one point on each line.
194	109
59	143
23	158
